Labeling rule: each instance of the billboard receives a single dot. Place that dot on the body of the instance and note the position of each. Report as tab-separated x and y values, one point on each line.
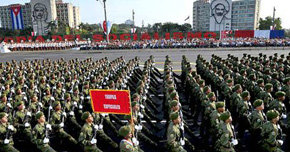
220	15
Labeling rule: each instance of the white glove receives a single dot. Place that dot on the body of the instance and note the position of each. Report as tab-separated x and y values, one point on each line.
140	127
107	78
26	124
71	113
64	114
234	142
52	98
82	97
93	141
50	107
28	114
80	107
146	91
280	142
142	106
25	98
63	90
104	114
284	116
140	115
135	141
101	127
96	127
88	97
40	104
182	142
54	87
10	127
9	105
48	126
75	103
6	141
104	83
45	140
23	93
61	125
144	98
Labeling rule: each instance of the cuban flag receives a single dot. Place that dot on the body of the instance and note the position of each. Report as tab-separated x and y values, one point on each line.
17	18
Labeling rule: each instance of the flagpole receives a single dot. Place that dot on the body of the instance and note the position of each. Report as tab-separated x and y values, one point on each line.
273	28
105	13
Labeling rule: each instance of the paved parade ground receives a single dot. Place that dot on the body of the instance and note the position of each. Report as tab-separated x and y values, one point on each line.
159	54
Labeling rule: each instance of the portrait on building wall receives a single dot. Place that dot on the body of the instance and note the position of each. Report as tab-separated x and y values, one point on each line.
219	10
40	12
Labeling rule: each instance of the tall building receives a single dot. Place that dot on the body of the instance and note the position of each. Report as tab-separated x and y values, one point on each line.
246	14
6	17
240	15
201	15
77	17
65	13
38	14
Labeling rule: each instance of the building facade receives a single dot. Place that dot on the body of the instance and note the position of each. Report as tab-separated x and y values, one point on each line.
244	15
5	15
201	15
39	13
65	13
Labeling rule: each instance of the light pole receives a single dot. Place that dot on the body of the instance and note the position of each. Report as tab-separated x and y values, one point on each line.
105	12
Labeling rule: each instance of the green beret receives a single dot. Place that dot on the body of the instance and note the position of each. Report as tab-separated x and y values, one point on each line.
268	86
173	103
86	83
111	82
174	115
38	115
242	71
220	105
225	116
275	75
124	131
134	103
280	94
85	115
127	117
2	114
66	95
206	88
173	94
18	103
272	114
236	87
201	82
260	81
245	94
251	76
210	95
55	103
76	88
229	81
135	95
258	103
46	89
170	89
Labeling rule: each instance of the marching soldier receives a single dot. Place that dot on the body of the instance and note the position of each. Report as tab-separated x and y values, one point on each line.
127	145
88	133
6	132
174	135
272	133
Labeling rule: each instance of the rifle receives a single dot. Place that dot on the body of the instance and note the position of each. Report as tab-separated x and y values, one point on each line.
48	118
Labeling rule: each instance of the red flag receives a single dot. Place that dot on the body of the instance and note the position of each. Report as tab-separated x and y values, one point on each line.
111	101
105	26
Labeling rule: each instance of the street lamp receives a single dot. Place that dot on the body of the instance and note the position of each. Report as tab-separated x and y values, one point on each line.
105	12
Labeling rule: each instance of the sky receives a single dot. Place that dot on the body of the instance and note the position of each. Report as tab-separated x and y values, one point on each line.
153	11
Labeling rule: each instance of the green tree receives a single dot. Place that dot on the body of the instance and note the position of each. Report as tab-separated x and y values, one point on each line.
185	28
266	23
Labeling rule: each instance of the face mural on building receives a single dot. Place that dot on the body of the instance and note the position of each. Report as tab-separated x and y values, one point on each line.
219	9
40	12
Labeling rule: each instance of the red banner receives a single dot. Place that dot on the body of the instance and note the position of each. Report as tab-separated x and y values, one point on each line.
111	101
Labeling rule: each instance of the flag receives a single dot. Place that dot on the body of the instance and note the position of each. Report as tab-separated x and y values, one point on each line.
187	18
133	30
107	25
17	18
111	101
